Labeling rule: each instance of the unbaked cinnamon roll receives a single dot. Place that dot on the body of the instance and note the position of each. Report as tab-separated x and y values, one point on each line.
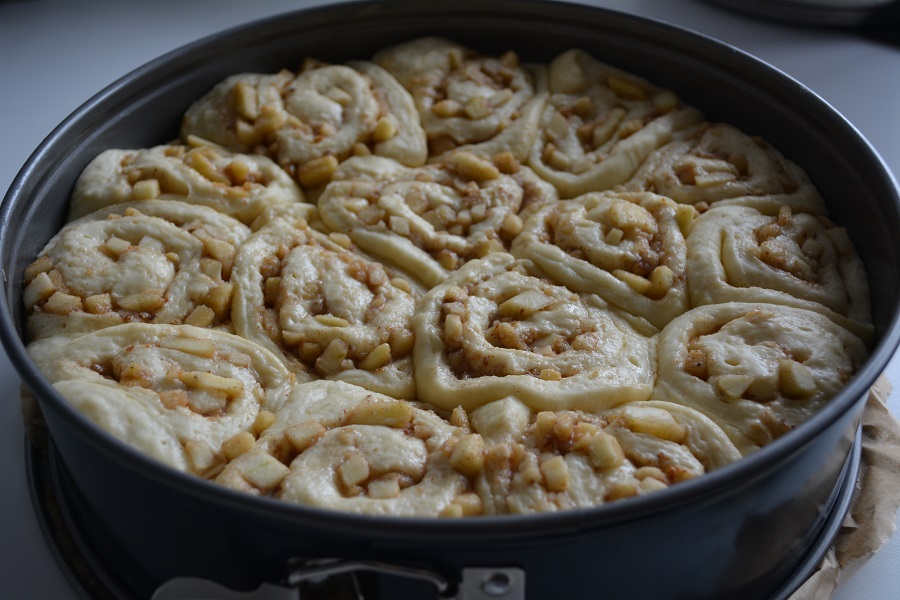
176	392
557	460
311	121
600	123
240	113
429	221
626	247
497	327
737	254
152	261
758	370
719	165
338	446
329	312
482	104
238	185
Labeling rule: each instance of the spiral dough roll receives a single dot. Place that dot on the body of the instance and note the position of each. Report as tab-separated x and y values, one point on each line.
758	370
176	392
626	247
239	185
720	165
329	312
337	446
497	328
737	254
555	460
467	101
429	221
311	121
600	123
152	261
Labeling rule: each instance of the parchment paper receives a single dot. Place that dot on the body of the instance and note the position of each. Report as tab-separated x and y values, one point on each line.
872	516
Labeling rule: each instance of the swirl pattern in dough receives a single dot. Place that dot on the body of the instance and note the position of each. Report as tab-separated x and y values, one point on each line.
497	328
240	113
626	247
153	261
737	254
176	392
330	312
758	370
341	447
311	121
557	460
238	185
718	164
460	285
600	123
428	221
482	104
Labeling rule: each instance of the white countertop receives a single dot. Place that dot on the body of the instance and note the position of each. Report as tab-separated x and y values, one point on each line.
54	55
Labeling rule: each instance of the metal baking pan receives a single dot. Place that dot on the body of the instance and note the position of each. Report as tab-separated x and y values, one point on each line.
738	532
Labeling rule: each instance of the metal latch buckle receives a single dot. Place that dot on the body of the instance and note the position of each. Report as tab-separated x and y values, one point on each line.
477	583
305	575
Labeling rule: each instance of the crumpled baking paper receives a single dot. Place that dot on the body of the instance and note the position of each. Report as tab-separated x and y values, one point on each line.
872	517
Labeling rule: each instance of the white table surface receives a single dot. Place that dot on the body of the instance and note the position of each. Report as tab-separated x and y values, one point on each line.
54	55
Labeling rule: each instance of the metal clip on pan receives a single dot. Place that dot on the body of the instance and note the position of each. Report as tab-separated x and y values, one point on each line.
333	578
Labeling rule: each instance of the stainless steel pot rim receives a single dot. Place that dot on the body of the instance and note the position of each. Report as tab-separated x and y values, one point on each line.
77	127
